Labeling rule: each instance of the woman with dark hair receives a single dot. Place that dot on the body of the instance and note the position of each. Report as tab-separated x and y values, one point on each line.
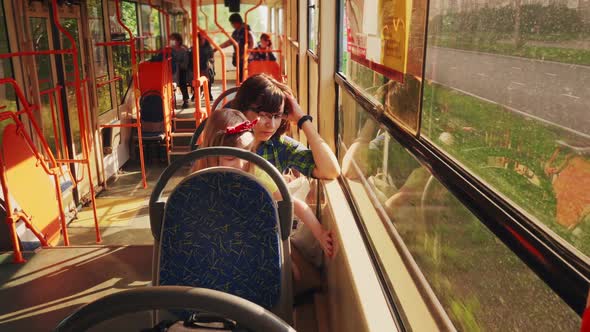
180	65
239	35
206	61
272	103
261	52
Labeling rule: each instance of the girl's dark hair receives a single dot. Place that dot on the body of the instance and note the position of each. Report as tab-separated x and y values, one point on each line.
176	36
262	93
266	37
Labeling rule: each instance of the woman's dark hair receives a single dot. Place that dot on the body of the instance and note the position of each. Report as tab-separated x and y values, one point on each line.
266	37
176	36
236	18
262	93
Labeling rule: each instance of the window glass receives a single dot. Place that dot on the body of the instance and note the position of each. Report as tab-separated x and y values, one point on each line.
508	96
7	94
313	25
101	64
177	23
481	284
45	75
150	28
71	25
382	52
122	54
280	21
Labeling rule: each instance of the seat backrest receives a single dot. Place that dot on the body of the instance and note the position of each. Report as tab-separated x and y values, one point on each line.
225	99
215	208
221	231
29	185
271	68
152	111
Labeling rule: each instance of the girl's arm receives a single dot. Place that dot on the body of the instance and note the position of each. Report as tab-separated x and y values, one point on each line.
326	163
324	236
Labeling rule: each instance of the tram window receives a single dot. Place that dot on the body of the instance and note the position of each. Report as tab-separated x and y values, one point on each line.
280	21
122	54
7	94
382	55
177	23
480	283
517	122
151	28
46	76
101	64
313	16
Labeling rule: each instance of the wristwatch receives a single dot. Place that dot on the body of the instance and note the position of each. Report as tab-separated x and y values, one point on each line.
303	119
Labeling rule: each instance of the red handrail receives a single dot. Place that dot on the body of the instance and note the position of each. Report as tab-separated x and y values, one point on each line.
195	42
101	84
246	35
26	53
57	125
114	43
236	45
136	90
221	54
215	45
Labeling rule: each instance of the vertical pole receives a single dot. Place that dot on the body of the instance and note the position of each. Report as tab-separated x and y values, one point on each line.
196	66
233	41
246	36
18	255
63	101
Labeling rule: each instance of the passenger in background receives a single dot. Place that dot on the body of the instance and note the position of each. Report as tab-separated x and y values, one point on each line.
264	45
239	35
180	65
227	127
206	61
272	103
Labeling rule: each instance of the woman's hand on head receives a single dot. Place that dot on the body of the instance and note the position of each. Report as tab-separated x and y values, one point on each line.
295	112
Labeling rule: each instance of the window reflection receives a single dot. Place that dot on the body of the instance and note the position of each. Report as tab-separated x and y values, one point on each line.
150	28
101	70
7	93
46	76
480	283
382	54
122	54
507	96
314	25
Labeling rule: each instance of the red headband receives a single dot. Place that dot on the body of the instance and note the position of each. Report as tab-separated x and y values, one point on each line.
242	127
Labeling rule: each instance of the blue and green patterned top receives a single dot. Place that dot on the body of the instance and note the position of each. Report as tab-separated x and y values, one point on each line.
286	153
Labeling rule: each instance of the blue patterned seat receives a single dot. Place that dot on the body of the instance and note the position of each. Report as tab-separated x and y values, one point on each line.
220	231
